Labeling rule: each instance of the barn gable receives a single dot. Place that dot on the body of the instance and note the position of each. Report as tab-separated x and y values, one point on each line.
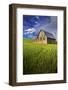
43	37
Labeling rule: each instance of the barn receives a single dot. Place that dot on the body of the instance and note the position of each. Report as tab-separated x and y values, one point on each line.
45	37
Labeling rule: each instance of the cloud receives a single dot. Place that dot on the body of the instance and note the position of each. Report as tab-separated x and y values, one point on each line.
37	17
30	31
37	24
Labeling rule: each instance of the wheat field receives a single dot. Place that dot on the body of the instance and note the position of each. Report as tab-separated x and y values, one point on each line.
39	58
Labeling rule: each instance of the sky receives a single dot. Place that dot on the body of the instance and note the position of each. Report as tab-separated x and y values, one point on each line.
32	24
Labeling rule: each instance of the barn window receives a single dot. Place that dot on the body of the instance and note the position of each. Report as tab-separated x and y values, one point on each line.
40	38
43	38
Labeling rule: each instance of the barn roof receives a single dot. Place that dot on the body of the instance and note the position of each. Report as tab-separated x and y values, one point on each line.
48	34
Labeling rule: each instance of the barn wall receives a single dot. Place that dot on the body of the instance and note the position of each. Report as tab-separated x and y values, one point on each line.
51	41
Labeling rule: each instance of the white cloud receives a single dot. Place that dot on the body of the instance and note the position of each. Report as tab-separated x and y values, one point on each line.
26	33
36	22
37	17
30	31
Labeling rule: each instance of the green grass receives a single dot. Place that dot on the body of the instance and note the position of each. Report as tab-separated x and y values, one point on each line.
39	58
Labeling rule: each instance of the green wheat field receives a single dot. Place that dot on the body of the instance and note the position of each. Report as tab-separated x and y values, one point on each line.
39	58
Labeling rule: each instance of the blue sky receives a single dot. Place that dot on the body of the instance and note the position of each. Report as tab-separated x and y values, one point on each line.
33	23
